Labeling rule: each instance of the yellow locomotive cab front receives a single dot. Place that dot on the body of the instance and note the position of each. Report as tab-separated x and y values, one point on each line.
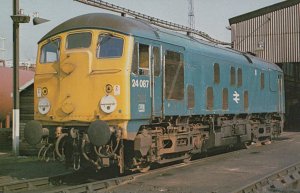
83	76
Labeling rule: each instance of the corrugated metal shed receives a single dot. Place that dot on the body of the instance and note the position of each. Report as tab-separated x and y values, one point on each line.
272	33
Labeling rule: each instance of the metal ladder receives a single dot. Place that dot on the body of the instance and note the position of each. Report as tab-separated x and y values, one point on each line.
152	20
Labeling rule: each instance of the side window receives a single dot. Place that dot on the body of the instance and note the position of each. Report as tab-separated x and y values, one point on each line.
79	40
232	76
191	97
143	59
135	59
140	59
240	77
156	60
216	73
50	52
174	75
109	46
262	80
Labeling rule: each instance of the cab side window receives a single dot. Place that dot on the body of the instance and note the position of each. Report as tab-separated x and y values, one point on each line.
156	60
109	46
140	59
144	59
50	52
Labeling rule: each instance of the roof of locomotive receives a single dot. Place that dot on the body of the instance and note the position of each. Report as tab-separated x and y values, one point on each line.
140	28
107	21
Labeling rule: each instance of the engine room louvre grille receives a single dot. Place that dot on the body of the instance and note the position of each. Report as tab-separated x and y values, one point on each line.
225	99
246	100
216	73
240	77
262	80
174	75
209	98
232	76
191	97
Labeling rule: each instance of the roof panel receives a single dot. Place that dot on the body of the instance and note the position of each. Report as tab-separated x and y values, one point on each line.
263	11
105	21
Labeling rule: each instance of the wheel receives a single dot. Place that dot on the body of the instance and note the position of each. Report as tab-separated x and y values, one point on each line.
187	159
145	167
248	144
267	142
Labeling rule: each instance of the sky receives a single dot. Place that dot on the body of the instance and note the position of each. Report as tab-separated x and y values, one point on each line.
211	16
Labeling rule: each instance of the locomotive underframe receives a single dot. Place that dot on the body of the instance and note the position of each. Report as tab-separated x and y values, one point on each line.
168	140
178	138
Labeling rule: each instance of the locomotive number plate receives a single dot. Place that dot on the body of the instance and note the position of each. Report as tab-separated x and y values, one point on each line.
140	83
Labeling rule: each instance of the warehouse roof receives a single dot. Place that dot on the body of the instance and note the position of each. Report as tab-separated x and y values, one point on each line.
263	11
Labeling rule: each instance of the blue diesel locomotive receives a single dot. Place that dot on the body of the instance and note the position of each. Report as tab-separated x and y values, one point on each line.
116	90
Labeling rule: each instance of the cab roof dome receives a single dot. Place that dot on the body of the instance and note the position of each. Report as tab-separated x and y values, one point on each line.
106	21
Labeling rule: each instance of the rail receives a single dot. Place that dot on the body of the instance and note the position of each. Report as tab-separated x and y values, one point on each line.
155	21
281	180
278	180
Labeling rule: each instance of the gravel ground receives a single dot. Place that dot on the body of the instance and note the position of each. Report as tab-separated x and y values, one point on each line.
23	167
223	174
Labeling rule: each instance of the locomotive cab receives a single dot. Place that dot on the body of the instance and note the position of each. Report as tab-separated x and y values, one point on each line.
81	76
81	93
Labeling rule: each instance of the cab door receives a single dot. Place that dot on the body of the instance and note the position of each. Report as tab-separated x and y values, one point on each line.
156	81
140	80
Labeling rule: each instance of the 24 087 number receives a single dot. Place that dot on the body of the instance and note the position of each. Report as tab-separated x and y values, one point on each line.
140	83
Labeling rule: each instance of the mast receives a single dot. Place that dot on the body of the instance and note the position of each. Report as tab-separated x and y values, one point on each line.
191	14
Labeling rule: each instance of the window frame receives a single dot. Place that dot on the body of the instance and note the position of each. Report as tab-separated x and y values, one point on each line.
135	59
58	50
98	47
139	61
135	65
66	43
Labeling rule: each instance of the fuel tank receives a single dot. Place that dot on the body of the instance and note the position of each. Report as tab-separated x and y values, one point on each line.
6	88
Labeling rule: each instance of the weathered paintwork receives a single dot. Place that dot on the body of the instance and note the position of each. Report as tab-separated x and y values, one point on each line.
82	90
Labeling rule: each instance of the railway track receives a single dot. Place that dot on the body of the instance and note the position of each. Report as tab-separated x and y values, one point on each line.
286	180
57	184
